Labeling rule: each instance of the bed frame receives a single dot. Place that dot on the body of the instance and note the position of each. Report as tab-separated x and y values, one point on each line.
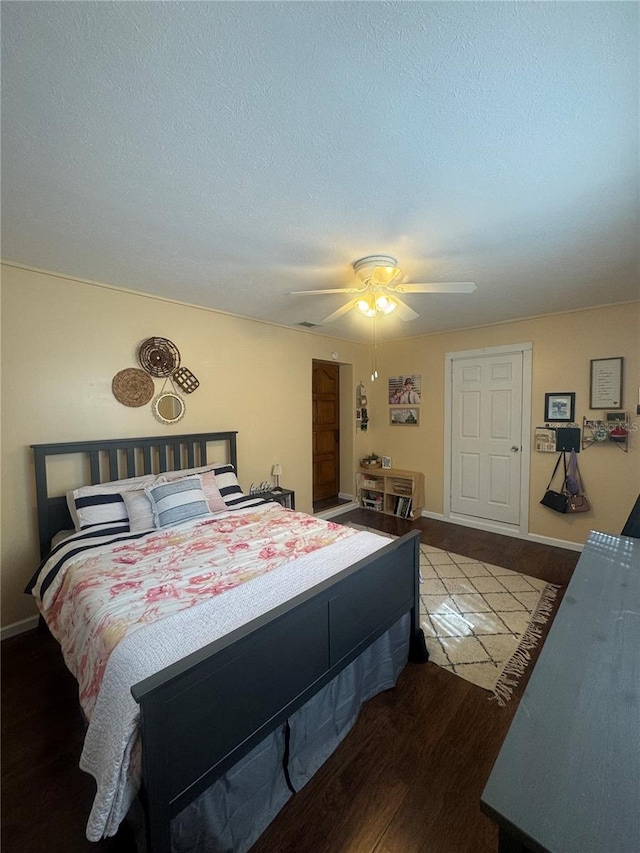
197	716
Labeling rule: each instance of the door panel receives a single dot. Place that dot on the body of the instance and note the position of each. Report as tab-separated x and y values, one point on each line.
499	480
326	430
487	436
470	476
501	403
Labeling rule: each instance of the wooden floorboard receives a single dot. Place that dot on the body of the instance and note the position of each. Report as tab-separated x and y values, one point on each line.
407	779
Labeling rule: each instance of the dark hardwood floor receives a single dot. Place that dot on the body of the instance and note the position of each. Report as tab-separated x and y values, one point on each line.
408	778
328	503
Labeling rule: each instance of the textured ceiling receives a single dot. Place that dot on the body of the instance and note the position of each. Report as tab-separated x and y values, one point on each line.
227	153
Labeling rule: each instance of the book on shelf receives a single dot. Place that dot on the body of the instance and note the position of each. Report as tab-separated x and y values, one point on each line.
402	507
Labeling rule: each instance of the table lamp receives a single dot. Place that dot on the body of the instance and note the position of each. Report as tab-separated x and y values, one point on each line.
277	473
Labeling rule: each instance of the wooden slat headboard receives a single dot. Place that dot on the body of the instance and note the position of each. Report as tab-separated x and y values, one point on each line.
117	459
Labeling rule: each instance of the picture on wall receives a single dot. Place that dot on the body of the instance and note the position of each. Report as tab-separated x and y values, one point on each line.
404	417
405	389
560	407
606	383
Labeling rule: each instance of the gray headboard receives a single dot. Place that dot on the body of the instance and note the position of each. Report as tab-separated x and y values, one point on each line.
119	458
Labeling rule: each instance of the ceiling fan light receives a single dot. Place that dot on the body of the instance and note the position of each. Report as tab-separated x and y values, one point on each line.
385	304
366	307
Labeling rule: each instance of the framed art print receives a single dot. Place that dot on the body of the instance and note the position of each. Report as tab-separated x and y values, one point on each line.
404	417
560	406
405	389
606	383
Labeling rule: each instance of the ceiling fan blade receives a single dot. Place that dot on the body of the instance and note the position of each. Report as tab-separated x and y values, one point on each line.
342	310
332	290
403	311
437	287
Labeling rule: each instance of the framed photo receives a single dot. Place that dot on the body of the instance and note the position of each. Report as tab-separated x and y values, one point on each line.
560	407
405	389
404	417
605	388
386	462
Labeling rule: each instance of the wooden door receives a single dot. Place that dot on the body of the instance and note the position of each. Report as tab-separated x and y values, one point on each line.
326	430
486	440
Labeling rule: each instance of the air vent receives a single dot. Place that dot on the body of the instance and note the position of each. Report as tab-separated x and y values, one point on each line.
308	325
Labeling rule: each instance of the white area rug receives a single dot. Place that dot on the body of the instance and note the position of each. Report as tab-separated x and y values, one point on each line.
480	621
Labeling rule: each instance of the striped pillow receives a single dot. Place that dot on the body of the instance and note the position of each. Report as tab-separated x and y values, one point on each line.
228	484
100	508
179	501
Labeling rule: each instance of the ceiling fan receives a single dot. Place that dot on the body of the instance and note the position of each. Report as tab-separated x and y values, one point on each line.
381	283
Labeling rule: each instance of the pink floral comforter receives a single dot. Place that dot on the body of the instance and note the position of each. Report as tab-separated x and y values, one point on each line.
105	594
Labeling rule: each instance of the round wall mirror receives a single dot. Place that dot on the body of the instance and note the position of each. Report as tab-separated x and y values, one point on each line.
168	408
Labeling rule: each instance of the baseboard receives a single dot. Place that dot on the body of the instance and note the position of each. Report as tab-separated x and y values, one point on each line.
337	510
504	531
555	543
345	497
19	627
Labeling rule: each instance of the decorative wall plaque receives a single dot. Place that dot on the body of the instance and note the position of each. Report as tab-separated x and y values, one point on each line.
132	387
159	356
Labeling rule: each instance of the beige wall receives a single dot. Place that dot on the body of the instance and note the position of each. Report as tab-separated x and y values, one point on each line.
62	343
64	340
563	346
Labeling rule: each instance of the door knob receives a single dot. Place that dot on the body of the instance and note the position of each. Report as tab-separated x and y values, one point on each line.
515	448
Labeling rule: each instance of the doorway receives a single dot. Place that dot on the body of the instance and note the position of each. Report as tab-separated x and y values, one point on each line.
487	432
326	434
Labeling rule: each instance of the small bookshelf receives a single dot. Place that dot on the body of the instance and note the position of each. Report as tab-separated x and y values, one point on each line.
391	491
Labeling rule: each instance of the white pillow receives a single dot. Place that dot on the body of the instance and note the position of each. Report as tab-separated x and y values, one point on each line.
178	501
140	510
106	507
190	472
103	488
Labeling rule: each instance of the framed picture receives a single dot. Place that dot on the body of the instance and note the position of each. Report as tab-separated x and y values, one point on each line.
404	417
605	389
405	389
386	462
560	407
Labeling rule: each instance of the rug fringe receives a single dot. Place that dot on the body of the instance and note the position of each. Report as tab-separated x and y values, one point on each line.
520	659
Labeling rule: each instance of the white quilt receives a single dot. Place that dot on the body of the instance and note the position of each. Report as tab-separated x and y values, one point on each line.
111	748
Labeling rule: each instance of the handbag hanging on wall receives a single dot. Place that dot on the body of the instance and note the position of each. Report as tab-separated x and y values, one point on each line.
556	501
576	499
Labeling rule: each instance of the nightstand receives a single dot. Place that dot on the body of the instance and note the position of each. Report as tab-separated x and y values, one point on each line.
282	496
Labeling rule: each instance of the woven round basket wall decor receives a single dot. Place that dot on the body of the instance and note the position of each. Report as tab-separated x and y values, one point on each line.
132	387
159	356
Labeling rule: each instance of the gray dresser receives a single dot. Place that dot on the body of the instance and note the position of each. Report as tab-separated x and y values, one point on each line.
567	779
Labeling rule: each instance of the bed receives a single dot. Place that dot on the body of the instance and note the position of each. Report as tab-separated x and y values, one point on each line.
198	721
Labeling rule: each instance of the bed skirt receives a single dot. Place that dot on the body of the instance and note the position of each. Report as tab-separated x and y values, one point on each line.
231	815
